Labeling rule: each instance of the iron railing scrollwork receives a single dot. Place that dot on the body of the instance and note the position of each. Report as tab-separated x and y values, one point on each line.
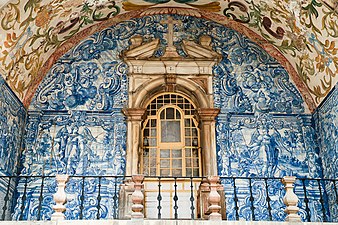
98	197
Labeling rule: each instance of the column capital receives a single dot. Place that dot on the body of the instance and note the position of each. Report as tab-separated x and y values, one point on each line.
208	114
134	114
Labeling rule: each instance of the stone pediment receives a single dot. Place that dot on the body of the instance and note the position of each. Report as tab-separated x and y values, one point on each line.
200	57
140	50
200	51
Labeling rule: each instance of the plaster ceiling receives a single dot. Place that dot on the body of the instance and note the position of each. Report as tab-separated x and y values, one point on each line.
35	33
2	2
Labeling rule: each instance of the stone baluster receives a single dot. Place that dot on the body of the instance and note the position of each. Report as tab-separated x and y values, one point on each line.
290	200
60	197
214	199
137	198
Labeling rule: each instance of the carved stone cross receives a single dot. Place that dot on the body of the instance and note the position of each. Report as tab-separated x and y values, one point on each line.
170	50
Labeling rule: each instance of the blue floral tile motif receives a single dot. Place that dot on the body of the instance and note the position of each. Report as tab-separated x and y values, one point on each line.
327	124
83	85
28	204
265	194
326	118
12	122
94	205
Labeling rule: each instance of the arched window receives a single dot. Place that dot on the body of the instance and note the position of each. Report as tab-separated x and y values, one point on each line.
171	138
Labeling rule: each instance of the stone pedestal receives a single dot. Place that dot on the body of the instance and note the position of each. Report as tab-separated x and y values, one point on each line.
202	200
137	198
60	197
125	202
290	200
214	199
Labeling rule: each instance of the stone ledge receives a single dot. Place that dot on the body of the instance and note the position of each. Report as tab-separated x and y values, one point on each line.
155	222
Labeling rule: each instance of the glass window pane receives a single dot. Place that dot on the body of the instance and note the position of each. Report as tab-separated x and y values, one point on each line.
188	152
178	114
195	152
177	172
196	172
145	171
170	131
188	162
170	113
146	152
146	132
165	153
195	162
152	162
152	171
159	105
153	152
188	172
177	163
165	172
176	153
165	163
153	123
152	142
146	161
188	142
194	131
166	98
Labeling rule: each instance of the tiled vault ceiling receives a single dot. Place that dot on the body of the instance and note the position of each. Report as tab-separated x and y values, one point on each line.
33	33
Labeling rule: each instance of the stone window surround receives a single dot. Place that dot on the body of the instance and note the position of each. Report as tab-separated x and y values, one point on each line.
206	115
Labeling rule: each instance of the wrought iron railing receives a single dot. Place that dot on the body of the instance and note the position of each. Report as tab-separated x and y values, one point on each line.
256	199
318	199
99	197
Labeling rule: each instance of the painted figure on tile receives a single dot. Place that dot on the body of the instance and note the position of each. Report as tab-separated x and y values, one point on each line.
74	147
117	161
44	146
60	142
264	143
86	154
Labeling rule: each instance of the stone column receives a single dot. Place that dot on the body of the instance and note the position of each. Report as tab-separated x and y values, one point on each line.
134	118
214	199
208	139
290	200
60	197
137	198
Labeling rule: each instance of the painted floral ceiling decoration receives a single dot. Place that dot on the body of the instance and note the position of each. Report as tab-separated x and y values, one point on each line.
304	31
